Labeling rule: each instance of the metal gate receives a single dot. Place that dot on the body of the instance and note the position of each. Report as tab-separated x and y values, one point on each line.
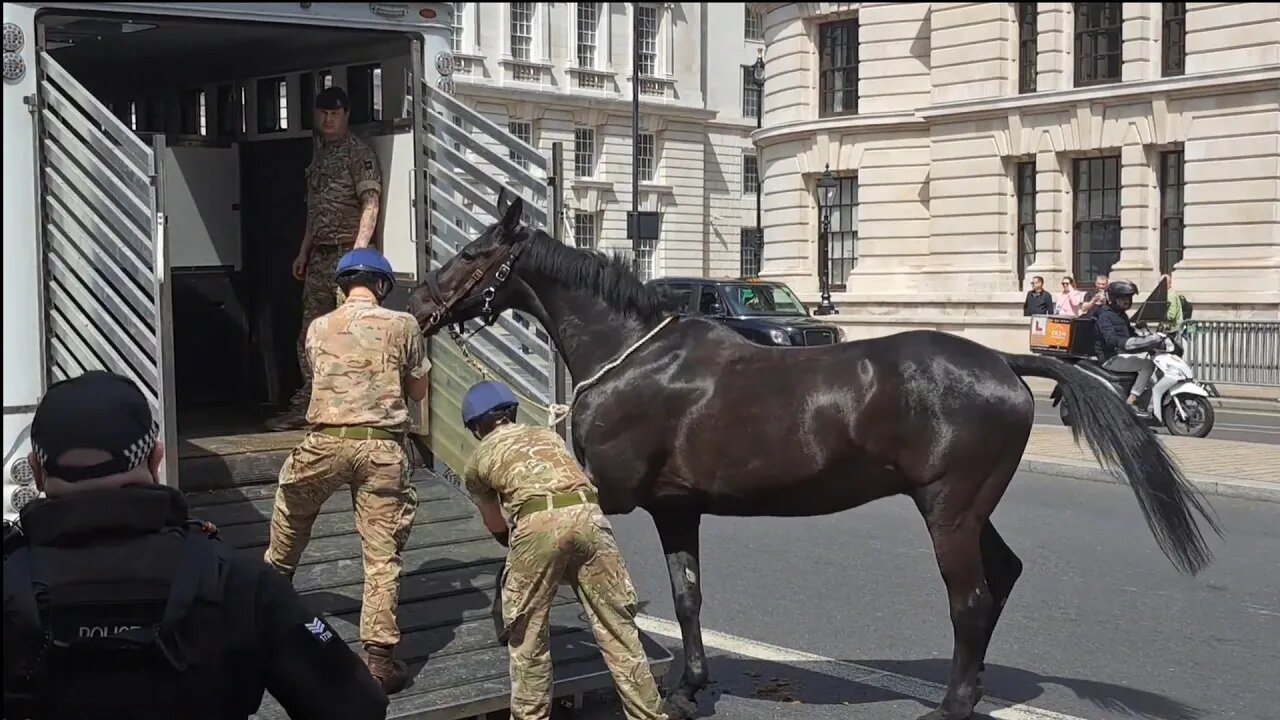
106	301
468	159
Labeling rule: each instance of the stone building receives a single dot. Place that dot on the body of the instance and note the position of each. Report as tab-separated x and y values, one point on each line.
980	144
563	72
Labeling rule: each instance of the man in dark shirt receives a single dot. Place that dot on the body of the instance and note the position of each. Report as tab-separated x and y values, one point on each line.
1038	301
117	604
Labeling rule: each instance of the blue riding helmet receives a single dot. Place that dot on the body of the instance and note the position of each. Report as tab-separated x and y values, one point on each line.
485	397
365	260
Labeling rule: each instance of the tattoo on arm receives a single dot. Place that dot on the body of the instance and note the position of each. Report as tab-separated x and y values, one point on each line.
368	219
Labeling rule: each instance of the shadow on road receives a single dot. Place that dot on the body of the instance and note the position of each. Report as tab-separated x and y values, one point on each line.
823	684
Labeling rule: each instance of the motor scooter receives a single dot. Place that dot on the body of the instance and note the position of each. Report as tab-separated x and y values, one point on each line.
1174	398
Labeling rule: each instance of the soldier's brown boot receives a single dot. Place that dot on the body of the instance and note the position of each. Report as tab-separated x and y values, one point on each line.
390	673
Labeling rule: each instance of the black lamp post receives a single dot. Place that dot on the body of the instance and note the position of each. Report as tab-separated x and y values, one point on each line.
757	77
826	200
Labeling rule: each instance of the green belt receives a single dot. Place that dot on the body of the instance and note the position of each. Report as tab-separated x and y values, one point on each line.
356	432
546	502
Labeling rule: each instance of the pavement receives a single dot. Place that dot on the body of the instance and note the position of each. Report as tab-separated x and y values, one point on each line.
1230	468
1230	423
845	616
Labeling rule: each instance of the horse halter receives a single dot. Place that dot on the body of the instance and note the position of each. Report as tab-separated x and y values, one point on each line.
445	305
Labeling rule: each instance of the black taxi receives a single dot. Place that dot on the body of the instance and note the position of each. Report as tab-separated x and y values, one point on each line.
762	311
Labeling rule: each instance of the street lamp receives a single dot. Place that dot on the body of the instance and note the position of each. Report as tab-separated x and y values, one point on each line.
757	78
826	200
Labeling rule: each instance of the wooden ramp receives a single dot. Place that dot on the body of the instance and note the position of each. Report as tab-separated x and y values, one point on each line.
451	565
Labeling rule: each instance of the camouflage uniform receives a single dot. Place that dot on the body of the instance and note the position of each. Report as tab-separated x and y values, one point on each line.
361	353
512	465
340	175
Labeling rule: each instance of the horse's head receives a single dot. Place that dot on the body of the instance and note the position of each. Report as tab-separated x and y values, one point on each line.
479	280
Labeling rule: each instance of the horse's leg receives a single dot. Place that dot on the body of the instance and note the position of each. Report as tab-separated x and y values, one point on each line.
1002	568
956	545
679	535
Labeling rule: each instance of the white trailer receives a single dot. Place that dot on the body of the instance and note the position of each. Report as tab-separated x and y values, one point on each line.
153	201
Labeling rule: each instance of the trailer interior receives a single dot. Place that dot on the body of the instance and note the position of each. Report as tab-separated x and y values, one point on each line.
233	105
233	102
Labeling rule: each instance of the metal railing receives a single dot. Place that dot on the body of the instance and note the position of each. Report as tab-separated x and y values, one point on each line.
1235	352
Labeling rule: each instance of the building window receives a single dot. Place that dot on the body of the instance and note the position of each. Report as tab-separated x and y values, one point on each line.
459	9
584	230
646	156
588	30
584	152
1027	47
842	239
645	256
1097	215
838	67
1173	45
273	105
750	251
522	30
326	79
522	130
754	25
459	129
1025	180
648	40
1172	183
1098	43
750	175
750	93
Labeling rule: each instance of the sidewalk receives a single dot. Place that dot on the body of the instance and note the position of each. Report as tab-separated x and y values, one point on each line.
1234	397
1217	467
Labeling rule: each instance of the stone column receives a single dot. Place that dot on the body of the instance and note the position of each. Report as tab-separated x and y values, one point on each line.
1138	217
1141	33
1053	47
1053	217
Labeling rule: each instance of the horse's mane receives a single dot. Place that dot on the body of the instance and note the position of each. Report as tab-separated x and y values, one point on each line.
609	277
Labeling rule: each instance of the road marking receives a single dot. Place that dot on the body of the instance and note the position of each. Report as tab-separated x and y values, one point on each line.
905	685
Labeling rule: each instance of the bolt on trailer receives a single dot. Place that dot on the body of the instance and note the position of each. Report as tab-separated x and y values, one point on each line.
154	199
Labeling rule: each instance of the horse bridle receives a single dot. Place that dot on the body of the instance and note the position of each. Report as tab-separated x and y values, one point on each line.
444	306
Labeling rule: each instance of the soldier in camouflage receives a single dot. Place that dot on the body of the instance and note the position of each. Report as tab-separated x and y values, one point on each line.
344	185
367	359
560	534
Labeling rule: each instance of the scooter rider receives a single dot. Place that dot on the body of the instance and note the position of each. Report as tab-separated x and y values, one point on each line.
1119	346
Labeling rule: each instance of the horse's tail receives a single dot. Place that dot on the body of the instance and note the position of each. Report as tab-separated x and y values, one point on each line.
1120	441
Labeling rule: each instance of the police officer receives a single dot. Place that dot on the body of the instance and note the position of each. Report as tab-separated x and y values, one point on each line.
147	614
560	534
367	359
344	184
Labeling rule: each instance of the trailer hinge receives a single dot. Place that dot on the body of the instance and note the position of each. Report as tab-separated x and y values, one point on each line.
32	103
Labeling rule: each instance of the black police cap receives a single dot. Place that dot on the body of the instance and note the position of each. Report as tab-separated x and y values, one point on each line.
333	98
98	410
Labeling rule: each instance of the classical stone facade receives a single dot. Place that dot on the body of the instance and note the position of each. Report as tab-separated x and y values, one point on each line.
562	72
987	143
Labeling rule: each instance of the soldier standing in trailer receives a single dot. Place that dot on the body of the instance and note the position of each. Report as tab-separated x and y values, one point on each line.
366	361
344	187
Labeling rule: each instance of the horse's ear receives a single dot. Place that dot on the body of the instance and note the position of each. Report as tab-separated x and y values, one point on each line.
511	218
504	201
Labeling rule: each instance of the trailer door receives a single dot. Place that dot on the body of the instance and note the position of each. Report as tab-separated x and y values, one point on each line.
106	298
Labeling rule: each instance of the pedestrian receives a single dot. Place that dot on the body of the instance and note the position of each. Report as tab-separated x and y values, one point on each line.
1175	307
1095	298
117	604
367	360
1069	300
560	535
1038	302
344	187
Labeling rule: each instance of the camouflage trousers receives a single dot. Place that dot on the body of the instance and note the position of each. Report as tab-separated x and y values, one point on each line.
320	296
377	472
573	545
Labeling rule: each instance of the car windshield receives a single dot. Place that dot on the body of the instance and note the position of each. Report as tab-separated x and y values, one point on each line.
763	300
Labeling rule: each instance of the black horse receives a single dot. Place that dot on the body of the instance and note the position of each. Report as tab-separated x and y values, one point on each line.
697	420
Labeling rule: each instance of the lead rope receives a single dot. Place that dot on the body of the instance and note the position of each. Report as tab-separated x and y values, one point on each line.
557	412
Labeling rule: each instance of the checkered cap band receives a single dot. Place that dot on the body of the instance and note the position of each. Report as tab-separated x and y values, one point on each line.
95	411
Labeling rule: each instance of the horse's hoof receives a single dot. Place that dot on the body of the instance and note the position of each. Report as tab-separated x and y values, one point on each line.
679	707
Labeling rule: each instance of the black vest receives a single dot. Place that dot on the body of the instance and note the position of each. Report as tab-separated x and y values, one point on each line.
113	609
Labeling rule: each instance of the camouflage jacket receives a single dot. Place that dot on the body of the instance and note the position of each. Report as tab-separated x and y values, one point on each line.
360	355
340	174
517	462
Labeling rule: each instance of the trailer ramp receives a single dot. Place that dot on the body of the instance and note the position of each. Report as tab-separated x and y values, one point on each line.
451	566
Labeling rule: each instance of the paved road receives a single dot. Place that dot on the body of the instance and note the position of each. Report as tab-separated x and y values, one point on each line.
1101	627
1240	425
